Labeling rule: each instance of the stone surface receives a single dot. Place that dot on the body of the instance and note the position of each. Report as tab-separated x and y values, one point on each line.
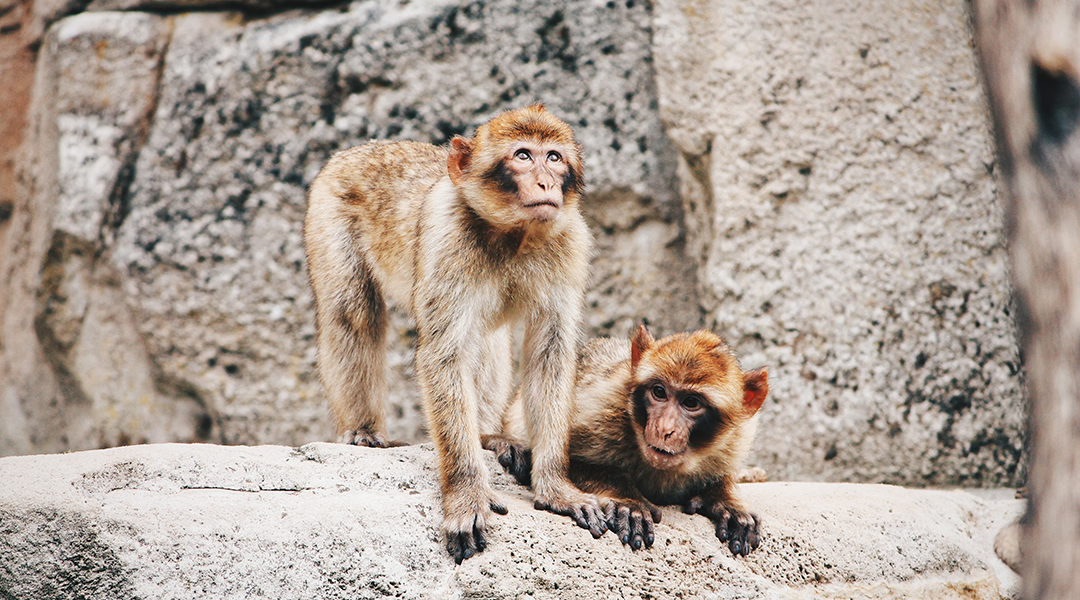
333	521
812	180
836	166
197	212
75	373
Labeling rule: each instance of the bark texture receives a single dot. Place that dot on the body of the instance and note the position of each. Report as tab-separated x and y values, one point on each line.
1030	53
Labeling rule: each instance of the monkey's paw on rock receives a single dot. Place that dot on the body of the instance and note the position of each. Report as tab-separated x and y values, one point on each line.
338	521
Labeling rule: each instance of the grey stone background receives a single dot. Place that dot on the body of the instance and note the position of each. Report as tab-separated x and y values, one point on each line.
812	180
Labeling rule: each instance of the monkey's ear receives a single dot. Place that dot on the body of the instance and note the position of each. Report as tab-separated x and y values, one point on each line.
641	342
755	388
457	165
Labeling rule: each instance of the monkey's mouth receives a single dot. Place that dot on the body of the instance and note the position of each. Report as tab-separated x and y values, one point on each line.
662	459
543	210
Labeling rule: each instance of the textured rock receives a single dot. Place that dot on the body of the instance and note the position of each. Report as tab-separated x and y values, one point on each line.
78	375
812	180
194	211
332	521
836	167
211	243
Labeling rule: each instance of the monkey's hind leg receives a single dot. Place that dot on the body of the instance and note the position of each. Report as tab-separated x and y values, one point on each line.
494	385
352	323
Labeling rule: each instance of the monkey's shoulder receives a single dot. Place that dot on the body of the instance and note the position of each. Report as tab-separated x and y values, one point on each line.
603	353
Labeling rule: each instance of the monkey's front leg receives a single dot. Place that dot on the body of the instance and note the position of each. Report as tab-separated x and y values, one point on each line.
450	402
548	365
630	516
735	525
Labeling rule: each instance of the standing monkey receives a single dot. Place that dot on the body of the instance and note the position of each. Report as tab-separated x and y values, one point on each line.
660	422
472	238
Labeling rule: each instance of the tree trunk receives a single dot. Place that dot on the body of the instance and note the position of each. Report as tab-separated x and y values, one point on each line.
1031	60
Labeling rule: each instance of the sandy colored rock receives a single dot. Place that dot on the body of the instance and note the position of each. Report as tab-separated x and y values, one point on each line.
837	172
334	521
813	181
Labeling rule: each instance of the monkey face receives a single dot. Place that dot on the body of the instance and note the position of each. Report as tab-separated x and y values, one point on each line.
670	414
689	395
535	172
522	168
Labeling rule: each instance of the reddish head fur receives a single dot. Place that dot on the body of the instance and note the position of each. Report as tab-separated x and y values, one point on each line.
478	165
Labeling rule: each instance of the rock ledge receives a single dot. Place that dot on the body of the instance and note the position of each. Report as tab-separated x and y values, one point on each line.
333	521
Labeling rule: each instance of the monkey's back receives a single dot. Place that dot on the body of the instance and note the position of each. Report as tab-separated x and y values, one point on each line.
601	416
367	201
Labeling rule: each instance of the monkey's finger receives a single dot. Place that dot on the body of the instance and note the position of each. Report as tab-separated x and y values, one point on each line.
692	505
595	518
622	524
637	530
578	516
755	533
608	506
479	536
722	526
650	532
497	506
597	526
522	466
460	546
745	528
657	514
736	547
362	437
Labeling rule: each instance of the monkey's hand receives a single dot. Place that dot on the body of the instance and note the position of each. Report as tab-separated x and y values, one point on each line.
632	521
465	521
583	508
740	529
512	455
364	437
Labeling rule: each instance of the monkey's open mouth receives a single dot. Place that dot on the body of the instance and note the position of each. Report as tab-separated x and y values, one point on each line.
662	459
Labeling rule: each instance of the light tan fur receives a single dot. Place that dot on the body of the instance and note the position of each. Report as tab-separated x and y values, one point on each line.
611	453
472	239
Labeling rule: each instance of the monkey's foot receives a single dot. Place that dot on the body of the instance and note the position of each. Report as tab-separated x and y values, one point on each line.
583	508
741	531
363	437
633	522
751	475
512	455
465	524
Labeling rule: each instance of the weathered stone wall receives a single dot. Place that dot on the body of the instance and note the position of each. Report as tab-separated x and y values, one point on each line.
836	164
814	181
170	188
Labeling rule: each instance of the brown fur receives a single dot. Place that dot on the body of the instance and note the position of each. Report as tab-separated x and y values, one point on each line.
432	229
609	442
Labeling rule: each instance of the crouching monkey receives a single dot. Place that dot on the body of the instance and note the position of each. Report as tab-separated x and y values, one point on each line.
472	238
664	421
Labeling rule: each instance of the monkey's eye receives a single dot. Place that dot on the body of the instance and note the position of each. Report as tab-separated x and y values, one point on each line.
658	391
554	156
692	402
522	154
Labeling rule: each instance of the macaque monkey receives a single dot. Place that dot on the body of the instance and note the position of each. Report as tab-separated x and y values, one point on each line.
660	422
470	238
